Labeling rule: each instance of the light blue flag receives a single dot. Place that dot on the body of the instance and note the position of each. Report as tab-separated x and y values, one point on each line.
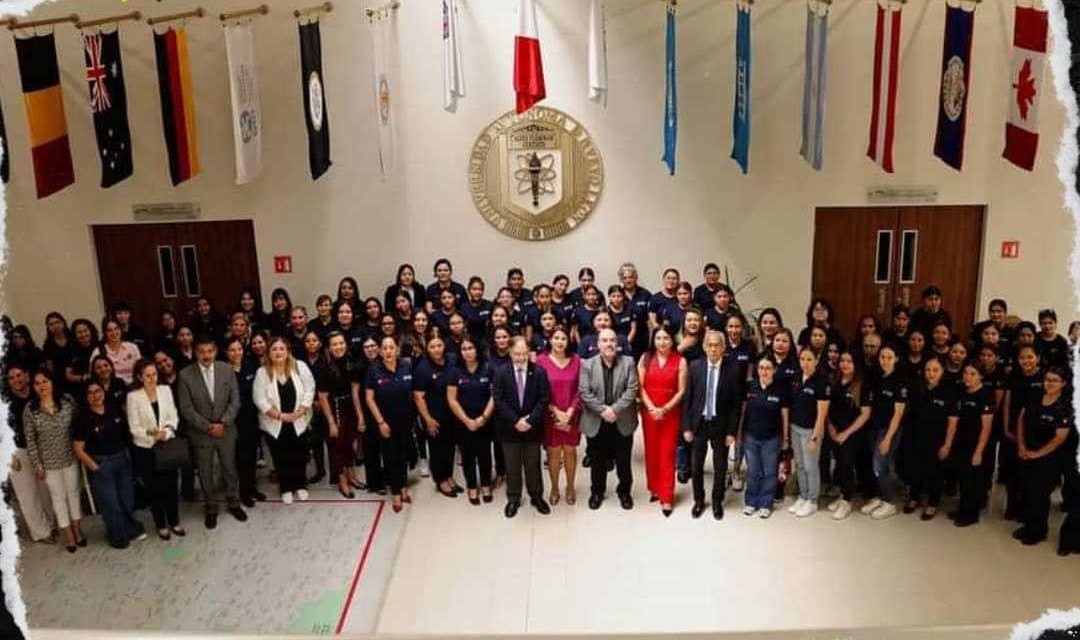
740	150
813	108
671	103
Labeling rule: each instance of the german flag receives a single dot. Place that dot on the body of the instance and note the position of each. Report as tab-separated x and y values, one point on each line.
177	104
45	114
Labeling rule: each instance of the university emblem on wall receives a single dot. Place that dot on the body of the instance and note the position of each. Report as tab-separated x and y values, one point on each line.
537	175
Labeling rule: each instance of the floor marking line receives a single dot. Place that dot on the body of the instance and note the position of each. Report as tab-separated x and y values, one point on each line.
359	569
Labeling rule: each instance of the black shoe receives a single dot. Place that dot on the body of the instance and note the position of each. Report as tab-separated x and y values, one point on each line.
120	544
71	548
511	508
238	513
667	512
586	461
1012	514
474	501
178	530
210	521
487	499
81	541
258	495
684	476
1019	533
626	501
541	506
953	515
699	508
1062	551
718	512
910	507
594	502
965	521
448	494
653	498
247	501
1032	539
317	478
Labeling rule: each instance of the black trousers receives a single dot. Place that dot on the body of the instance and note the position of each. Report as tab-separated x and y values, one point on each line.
708	436
825	461
441	451
973	487
926	477
247	449
161	487
476	452
523	457
395	450
289	452
316	436
374	466
853	460
1069	540
1040	476
609	444
187	477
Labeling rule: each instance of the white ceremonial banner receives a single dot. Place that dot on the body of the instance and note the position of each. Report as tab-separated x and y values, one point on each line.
244	88
384	92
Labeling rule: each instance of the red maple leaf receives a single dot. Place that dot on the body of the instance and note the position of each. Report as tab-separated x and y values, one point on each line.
1025	89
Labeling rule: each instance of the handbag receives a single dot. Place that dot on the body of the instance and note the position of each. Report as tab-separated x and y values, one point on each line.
172	454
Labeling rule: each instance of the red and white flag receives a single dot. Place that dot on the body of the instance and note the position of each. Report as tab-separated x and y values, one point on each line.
1026	86
528	68
886	79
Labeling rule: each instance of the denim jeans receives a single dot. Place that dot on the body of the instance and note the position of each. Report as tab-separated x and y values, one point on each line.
114	491
761	461
883	465
807	463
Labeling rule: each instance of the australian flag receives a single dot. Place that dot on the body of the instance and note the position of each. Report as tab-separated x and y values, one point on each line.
108	101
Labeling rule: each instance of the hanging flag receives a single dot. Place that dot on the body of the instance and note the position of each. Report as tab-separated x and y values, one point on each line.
955	77
1025	94
314	98
45	114
597	52
740	150
108	102
886	80
4	165
177	104
453	70
671	99
814	82
244	90
384	95
528	67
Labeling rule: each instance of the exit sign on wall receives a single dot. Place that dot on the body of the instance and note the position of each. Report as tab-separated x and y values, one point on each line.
282	264
1010	249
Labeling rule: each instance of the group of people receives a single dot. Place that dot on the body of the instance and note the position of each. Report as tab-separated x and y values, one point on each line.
431	377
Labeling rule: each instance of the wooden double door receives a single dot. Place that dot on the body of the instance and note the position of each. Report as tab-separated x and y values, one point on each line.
169	266
868	259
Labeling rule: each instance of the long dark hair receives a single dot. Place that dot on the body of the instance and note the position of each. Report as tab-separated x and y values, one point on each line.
401	269
57	394
94	339
824	302
355	287
337	367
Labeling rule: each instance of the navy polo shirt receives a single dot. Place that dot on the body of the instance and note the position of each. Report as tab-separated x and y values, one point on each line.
805	396
473	388
763	418
477	317
432	379
843	409
1042	422
393	393
889	391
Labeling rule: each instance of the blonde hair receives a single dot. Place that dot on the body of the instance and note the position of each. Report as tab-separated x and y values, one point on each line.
290	361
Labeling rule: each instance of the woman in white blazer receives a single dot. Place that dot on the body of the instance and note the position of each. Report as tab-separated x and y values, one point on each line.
152	418
284	392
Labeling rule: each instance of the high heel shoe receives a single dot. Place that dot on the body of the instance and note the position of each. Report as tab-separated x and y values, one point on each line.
406	498
487	497
70	548
553	498
474	500
164	534
346	494
357	484
571	497
396	505
81	541
179	531
449	494
666	510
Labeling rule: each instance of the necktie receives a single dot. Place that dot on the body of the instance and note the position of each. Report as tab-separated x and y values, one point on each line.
521	387
710	394
208	378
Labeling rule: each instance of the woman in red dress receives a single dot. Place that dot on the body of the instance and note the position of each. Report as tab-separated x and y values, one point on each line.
662	372
561	432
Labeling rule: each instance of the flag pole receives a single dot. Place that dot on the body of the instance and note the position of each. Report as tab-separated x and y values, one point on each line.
134	15
383	11
198	12
260	10
325	7
15	24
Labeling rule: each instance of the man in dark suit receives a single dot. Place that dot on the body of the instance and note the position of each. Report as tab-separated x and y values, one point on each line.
209	399
608	385
712	396
521	394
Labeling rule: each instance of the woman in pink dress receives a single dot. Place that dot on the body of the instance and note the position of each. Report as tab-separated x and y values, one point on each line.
662	372
561	432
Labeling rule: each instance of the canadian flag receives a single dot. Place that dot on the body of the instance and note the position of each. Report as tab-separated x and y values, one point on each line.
1028	61
528	68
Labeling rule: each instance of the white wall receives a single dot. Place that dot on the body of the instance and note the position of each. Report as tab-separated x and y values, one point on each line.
352	222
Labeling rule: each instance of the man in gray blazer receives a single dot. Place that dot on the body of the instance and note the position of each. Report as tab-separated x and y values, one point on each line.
209	400
609	387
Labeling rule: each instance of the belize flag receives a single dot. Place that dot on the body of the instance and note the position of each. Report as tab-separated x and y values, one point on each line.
955	80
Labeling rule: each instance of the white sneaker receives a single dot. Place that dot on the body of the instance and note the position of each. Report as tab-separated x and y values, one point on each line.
886	510
748	510
835	504
425	470
302	495
869	507
793	509
287	497
843	510
764	513
809	508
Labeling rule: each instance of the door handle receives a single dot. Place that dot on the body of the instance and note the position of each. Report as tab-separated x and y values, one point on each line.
907	296
881	301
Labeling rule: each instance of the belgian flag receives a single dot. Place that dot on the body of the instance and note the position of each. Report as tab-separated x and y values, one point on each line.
45	113
177	104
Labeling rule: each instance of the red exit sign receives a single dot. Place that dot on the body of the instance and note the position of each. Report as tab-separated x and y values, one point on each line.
282	264
1010	249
